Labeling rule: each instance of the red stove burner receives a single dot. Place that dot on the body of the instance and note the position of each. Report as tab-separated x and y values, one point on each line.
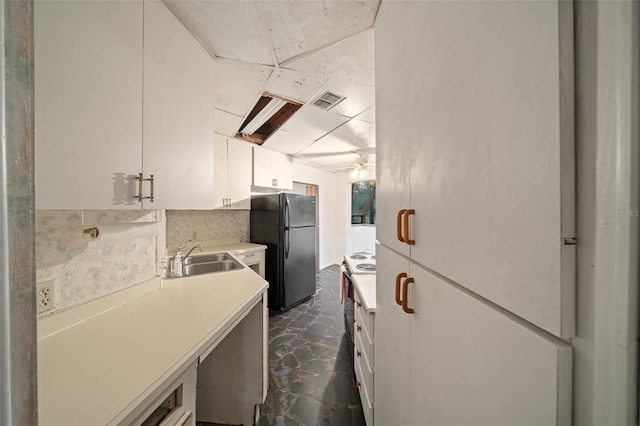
358	256
366	266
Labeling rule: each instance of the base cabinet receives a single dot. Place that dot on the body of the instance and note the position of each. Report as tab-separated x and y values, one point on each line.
457	360
363	356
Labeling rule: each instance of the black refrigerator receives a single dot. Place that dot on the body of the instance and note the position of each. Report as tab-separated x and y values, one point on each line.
286	224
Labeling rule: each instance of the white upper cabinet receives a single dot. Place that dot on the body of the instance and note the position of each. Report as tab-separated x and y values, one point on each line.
88	103
475	137
232	173
177	113
272	169
99	77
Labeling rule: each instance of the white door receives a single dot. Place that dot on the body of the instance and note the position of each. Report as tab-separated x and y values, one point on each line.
471	364
88	103
393	375
239	157
488	104
178	113
220	192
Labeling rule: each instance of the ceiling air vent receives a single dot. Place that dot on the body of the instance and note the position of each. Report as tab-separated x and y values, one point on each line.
328	100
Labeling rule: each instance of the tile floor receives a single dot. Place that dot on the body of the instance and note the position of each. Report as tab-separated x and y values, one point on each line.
311	379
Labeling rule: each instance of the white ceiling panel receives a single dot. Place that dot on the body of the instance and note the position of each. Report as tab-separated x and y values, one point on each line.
238	85
226	28
295	85
225	123
313	122
369	115
350	60
286	142
356	132
358	98
328	145
296	27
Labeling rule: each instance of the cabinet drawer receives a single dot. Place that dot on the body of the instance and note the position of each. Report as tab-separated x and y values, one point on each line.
365	397
366	320
365	343
251	258
361	359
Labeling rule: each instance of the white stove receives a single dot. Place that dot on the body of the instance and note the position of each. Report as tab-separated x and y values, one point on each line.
360	263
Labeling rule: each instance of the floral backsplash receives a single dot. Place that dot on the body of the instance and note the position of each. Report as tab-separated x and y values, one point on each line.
128	250
207	225
85	270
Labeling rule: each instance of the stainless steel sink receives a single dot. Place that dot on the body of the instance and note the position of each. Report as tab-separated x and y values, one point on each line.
206	258
210	267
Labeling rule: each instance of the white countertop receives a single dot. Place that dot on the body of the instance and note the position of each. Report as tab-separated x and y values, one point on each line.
97	371
365	285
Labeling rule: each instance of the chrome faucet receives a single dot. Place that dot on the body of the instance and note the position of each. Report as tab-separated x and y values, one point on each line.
181	245
192	248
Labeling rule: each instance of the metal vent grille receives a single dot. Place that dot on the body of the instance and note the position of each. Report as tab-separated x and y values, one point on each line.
327	100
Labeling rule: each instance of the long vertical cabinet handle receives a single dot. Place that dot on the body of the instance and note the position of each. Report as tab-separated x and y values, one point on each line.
399	232
405	286
398	279
405	226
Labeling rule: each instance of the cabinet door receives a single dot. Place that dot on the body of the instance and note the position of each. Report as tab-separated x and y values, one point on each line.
391	350
239	162
492	175
220	193
394	134
88	103
472	364
272	169
178	113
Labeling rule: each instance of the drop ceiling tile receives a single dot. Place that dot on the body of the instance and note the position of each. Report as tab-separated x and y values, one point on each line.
349	60
357	132
238	85
369	115
286	142
226	28
313	122
327	146
358	97
295	85
296	27
225	123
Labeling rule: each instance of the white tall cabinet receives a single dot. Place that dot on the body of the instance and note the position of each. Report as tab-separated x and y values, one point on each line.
475	174
121	88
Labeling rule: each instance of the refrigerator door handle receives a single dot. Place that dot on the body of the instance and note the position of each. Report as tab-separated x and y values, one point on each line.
287	223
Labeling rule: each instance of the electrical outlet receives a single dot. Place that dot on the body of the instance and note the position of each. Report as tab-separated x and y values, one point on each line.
45	296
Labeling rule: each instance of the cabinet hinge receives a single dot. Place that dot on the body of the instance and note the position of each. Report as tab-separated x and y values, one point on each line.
570	241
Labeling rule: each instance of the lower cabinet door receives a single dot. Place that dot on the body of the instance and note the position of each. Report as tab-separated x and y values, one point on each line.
472	363
391	354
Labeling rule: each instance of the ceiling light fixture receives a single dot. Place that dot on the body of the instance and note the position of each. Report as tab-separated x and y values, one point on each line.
265	114
360	172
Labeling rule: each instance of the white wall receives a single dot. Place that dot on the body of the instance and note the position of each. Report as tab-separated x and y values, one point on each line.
607	145
327	208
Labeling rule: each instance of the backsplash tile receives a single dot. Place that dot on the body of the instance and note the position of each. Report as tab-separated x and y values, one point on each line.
207	225
84	270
